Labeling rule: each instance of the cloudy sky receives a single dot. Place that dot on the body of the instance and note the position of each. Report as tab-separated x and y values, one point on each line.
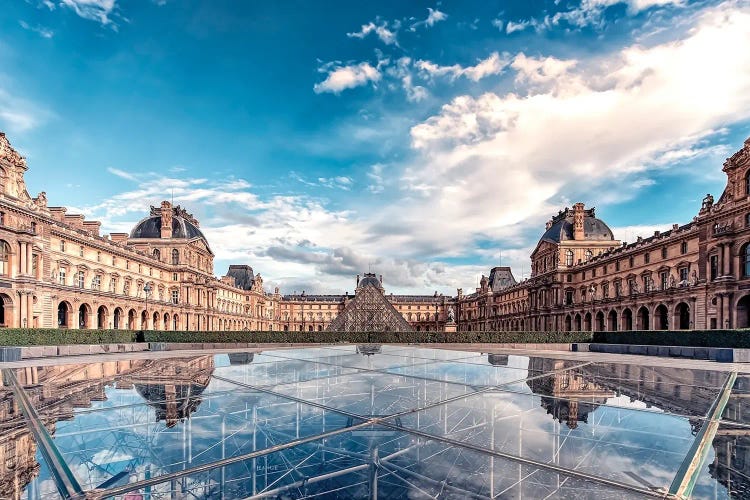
427	141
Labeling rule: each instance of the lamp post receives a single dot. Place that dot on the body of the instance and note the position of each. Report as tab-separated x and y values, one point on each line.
147	290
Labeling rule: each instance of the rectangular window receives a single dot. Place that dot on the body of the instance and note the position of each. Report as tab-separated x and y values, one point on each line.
605	290
62	245
61	277
175	297
647	257
96	283
593	273
631	286
664	279
569	297
80	252
683	276
647	284
126	287
617	265
632	262
81	279
113	285
664	252
714	267
683	247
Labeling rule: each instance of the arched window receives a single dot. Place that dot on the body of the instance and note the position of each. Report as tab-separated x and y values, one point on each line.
568	257
746	260
4	258
175	256
157	254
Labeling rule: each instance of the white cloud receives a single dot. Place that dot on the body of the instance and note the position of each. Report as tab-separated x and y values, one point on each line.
39	30
18	115
491	163
590	12
512	27
492	65
122	174
382	31
348	77
337	182
377	184
434	16
498	23
94	10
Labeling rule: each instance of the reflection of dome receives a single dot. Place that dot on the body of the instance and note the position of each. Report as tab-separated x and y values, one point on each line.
241	358
171	402
562	228
368	350
150	227
498	359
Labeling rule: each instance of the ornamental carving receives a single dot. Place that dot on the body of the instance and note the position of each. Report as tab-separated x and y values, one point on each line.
10	155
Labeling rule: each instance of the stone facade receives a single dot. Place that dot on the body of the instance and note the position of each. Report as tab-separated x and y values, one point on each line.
56	270
693	276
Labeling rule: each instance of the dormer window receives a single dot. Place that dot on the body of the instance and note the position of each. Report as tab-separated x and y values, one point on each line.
568	258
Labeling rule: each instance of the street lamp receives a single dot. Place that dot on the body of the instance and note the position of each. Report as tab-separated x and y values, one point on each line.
147	290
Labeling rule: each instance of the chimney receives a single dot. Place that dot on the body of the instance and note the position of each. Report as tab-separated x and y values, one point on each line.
119	238
358	280
166	220
75	221
92	227
578	233
58	213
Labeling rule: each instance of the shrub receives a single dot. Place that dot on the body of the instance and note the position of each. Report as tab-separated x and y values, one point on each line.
55	336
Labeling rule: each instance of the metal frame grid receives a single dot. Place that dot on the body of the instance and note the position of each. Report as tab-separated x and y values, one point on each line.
313	432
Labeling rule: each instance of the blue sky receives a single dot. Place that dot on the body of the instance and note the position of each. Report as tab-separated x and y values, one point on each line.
425	141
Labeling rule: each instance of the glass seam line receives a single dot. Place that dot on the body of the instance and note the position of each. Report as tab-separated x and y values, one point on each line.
64	479
684	481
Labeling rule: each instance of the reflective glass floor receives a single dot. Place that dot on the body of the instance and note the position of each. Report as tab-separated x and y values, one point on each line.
371	421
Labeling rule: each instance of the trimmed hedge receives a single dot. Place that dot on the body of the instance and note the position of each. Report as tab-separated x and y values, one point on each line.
370	337
56	336
687	338
738	339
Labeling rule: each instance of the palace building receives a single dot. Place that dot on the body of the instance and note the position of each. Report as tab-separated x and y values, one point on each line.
58	271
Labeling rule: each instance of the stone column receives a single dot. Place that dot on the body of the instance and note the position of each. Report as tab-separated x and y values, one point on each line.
30	310
29	263
727	259
22	307
22	258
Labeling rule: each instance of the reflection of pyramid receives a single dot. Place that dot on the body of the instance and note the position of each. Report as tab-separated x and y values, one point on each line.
369	311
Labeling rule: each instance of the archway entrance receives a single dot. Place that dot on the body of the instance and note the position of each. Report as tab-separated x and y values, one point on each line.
682	316
117	318
83	316
101	317
600	321
5	314
627	319
587	322
644	320
661	318
131	319
743	312
612	321
63	312
578	322
568	323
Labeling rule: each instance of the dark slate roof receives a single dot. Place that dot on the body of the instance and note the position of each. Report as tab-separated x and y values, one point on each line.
593	230
501	278
243	276
150	227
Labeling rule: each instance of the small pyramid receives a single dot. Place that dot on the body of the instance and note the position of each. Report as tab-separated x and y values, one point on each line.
369	311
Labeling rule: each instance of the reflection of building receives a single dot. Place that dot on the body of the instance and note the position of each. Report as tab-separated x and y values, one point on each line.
57	270
172	386
568	395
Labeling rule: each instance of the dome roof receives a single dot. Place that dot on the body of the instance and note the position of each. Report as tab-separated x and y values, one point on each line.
150	227
562	228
